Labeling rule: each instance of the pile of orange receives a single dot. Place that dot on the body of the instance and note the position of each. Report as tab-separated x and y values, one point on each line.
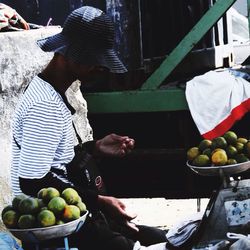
49	208
223	150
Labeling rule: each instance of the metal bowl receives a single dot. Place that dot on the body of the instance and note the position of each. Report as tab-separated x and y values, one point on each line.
35	235
220	170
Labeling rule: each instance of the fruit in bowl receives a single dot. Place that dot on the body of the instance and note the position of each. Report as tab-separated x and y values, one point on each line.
227	149
49	208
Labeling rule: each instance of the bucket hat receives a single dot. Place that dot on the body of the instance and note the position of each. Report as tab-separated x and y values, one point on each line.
87	38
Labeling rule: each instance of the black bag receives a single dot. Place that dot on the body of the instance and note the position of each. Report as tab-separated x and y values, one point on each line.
83	171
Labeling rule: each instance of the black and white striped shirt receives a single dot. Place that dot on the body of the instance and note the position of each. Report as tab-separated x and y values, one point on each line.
42	133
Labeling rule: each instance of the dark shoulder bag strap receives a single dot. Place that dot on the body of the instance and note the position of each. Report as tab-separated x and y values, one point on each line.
83	169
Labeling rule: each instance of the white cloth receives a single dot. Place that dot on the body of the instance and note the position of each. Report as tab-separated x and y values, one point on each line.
242	244
160	246
216	101
222	245
184	229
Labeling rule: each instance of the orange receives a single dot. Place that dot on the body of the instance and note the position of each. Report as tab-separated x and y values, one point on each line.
239	146
70	195
26	221
50	193
16	200
204	144
10	219
219	142
201	161
42	193
7	208
231	151
46	218
28	206
192	153
57	205
82	207
231	161
219	158
59	222
231	137
242	140
71	212
241	158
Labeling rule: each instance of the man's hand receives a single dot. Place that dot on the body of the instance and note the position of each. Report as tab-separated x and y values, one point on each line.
114	145
117	211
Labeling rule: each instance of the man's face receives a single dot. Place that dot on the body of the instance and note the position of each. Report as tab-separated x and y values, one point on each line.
85	73
97	72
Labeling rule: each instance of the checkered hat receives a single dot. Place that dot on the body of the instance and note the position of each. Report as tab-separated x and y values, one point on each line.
87	38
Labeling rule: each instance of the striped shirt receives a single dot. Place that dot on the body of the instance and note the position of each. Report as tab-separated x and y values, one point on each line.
42	133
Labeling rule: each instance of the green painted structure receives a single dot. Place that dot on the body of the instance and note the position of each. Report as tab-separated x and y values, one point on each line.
156	115
149	98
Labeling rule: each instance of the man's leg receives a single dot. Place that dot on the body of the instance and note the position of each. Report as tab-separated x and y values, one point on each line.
96	234
150	235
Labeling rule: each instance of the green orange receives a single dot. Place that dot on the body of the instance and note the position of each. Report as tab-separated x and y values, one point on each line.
10	219
201	161
57	205
29	205
70	195
204	144
82	206
231	137
26	221
219	142
50	193
71	212
17	199
46	218
192	153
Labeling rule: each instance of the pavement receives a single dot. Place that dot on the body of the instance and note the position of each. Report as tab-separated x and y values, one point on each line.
161	212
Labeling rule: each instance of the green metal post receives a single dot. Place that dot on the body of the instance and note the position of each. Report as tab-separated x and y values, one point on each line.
187	44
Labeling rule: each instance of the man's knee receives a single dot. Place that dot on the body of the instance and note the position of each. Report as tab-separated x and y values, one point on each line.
120	242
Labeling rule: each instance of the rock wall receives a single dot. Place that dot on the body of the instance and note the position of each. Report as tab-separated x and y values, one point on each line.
20	60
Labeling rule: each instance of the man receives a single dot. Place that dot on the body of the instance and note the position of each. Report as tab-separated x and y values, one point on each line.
43	135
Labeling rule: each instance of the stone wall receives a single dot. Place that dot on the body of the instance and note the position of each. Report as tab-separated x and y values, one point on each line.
20	60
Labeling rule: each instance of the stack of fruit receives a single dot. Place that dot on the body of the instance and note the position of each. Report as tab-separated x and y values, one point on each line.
49	208
224	150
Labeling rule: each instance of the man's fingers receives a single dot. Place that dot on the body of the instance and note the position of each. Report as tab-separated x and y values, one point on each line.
132	226
130	216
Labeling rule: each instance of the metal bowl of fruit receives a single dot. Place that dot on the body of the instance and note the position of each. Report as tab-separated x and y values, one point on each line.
40	234
220	170
222	156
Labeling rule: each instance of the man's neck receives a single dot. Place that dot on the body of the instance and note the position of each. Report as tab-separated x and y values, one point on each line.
57	74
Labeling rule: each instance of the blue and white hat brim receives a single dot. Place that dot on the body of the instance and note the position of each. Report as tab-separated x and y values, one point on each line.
81	53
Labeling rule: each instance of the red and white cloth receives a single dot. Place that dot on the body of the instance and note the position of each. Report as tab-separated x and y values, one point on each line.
216	101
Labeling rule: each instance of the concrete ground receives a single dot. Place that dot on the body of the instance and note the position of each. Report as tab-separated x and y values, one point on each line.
161	212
